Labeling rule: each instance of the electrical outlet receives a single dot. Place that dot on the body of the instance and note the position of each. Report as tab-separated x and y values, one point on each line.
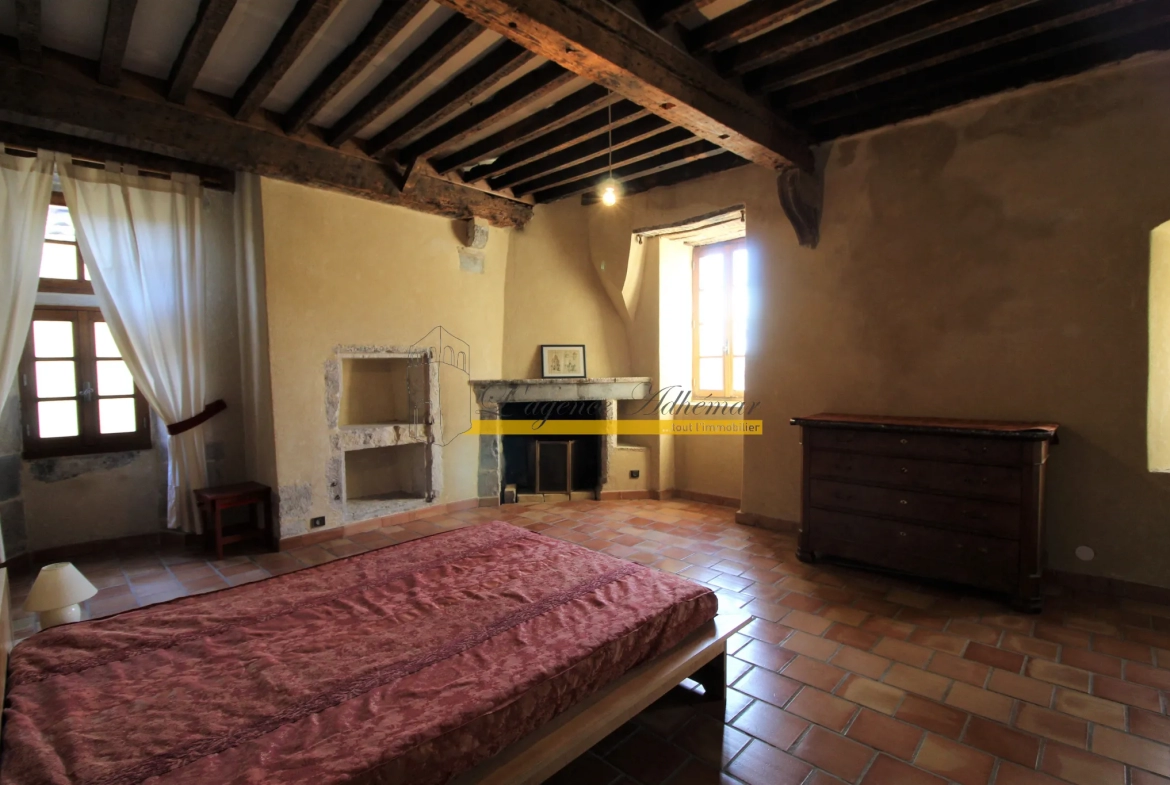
316	523
635	474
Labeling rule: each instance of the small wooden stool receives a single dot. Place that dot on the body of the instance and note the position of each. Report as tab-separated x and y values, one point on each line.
213	501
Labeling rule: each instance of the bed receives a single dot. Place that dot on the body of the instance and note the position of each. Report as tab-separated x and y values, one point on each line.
490	654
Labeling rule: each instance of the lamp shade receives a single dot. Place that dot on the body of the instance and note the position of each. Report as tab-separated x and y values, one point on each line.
57	586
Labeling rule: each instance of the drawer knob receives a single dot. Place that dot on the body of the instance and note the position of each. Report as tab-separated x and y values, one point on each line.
904	441
905	470
901	534
903	501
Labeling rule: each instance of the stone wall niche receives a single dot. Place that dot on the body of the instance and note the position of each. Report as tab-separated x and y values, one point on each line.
382	406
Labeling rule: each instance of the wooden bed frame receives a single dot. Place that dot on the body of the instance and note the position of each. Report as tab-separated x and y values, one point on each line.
536	757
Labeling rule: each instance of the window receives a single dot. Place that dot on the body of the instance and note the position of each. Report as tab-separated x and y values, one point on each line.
720	319
76	391
61	267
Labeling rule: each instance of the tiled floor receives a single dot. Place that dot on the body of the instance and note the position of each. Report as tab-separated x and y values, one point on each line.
843	676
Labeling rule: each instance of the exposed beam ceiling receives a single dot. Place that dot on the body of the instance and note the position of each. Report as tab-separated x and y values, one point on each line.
674	175
748	20
69	101
307	17
388	20
209	21
119	17
28	31
599	42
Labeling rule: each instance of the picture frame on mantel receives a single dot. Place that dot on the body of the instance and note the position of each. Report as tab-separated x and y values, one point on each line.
562	360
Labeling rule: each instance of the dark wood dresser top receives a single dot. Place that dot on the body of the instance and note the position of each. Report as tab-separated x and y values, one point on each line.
993	428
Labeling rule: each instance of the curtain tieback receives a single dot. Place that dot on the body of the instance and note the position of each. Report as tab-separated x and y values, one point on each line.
209	411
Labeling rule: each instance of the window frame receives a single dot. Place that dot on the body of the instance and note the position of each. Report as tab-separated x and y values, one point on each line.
90	440
727	248
65	285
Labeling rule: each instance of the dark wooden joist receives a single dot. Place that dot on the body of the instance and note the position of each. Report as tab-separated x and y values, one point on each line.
660	13
530	89
673	176
601	43
618	114
658	143
924	23
388	20
670	159
119	17
454	95
624	135
612	140
66	99
1050	55
306	19
989	33
28	31
563	112
453	35
749	19
832	21
209	21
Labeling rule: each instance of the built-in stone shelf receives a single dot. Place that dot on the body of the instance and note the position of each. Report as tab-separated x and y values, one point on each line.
617	388
365	437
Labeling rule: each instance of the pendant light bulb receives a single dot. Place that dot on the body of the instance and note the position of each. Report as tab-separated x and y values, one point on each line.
609	196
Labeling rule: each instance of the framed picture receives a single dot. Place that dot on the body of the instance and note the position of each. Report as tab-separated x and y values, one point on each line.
562	361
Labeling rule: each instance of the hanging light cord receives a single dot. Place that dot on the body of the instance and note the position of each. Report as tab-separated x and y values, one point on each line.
609	112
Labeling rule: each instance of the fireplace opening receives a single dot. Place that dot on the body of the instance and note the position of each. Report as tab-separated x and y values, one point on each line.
382	474
553	465
381	390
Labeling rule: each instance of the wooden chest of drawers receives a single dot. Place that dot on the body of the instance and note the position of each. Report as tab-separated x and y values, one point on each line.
961	501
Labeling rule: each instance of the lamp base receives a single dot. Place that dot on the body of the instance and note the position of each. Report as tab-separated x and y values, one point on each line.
66	615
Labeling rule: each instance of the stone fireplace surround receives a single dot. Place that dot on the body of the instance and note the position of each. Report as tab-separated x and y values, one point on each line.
490	394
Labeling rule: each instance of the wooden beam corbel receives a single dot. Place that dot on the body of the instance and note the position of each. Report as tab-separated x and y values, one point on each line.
802	199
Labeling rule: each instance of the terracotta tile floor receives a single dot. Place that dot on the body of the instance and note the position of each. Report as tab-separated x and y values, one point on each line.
842	676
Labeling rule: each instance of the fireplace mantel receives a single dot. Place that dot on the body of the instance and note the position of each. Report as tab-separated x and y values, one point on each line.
618	388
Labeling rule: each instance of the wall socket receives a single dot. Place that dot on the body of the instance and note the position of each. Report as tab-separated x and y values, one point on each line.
316	523
635	474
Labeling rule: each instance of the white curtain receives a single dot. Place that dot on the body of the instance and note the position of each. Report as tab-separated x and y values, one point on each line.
142	240
25	187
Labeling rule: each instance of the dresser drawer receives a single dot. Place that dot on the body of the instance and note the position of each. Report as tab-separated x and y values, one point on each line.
999	482
996	519
908	547
920	445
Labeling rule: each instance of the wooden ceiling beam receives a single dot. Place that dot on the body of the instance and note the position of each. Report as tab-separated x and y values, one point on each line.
28	31
454	95
621	136
452	36
924	23
660	13
209	21
968	40
658	143
673	176
68	100
388	20
603	44
678	156
119	17
749	19
814	29
620	113
563	112
305	21
529	89
1049	55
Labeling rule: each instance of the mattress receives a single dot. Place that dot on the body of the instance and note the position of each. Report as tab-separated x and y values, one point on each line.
408	664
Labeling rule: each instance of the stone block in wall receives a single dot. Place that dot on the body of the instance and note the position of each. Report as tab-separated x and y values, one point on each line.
9	477
13	528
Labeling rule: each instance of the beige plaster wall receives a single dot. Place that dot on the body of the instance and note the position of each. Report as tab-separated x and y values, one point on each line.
990	261
342	270
552	295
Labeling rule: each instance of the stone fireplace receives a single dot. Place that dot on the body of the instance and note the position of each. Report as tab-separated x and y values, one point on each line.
499	457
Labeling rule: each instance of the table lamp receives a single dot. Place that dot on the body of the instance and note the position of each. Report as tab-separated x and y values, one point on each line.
56	593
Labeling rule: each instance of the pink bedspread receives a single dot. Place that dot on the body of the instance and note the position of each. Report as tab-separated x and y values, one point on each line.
408	664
